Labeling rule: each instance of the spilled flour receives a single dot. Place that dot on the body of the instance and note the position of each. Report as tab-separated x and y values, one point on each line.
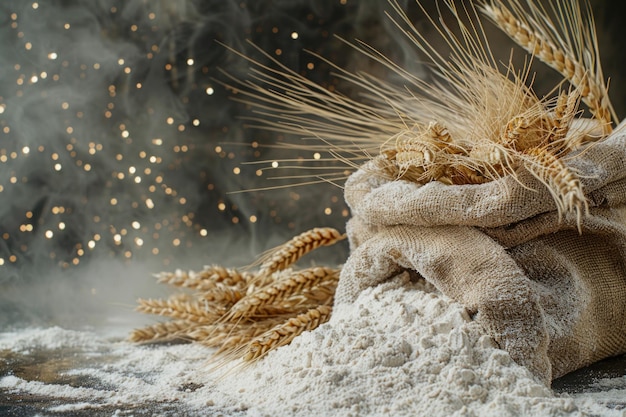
402	349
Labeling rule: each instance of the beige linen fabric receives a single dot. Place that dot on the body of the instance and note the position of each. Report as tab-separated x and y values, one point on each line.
553	298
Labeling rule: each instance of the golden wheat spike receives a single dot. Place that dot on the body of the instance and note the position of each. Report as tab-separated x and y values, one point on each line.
563	114
182	297
563	184
167	330
223	295
285	287
413	148
561	119
204	280
192	311
283	334
212	334
523	132
569	46
387	166
423	155
461	175
226	276
323	293
297	247
232	337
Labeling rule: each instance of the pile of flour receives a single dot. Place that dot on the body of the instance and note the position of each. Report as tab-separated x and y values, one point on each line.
402	349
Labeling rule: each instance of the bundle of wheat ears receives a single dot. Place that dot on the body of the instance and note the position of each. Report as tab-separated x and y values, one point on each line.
247	314
475	121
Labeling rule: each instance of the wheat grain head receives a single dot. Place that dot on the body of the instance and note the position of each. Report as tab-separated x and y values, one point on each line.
279	291
168	330
567	43
283	334
192	311
206	279
288	253
562	182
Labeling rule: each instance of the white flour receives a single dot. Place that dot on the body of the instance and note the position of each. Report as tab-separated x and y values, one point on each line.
402	349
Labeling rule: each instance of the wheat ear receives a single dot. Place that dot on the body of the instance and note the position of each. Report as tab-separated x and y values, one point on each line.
299	246
564	113
273	294
563	184
167	330
227	337
223	295
204	280
586	76
419	153
284	333
192	311
460	175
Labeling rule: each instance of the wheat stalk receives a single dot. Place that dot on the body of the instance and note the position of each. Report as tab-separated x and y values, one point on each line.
299	246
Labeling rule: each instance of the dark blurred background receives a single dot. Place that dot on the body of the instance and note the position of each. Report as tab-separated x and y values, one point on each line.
121	153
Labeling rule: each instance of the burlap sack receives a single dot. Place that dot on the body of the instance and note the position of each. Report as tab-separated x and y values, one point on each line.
553	298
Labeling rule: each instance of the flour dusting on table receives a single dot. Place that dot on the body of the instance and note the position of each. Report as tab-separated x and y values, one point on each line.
402	349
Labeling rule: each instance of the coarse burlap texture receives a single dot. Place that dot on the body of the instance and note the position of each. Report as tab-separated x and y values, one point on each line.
553	298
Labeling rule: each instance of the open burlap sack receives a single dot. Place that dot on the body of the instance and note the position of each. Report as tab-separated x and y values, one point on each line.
553	298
